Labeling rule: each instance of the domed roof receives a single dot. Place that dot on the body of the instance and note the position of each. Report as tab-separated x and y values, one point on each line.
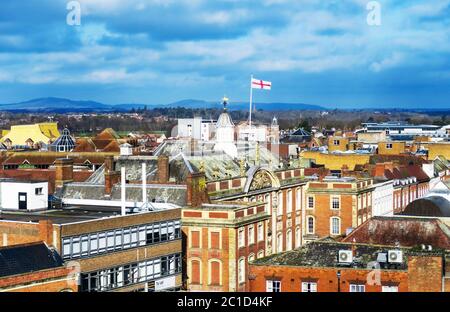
432	206
224	120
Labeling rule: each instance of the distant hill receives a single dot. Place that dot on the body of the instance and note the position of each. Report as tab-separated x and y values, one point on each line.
61	105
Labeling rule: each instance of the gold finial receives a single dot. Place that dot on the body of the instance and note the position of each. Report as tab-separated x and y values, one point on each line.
202	166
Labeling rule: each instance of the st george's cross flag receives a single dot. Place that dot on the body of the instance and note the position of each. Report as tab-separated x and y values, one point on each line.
260	84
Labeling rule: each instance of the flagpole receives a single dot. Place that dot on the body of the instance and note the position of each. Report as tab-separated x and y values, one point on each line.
251	101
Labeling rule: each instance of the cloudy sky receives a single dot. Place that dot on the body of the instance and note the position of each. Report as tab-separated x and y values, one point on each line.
160	51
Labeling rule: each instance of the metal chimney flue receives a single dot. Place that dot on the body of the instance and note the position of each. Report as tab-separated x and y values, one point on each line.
144	183
123	192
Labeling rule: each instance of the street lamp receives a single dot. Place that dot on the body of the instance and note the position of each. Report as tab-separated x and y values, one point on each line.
338	274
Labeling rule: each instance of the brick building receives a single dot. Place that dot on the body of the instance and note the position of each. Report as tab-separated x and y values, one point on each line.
221	240
34	267
410	182
329	266
113	252
334	205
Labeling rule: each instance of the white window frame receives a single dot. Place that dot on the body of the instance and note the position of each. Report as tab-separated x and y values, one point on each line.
313	202
241	270
260	232
332	232
386	288
251	234
298	199
280	204
307	225
357	288
241	237
309	287
289	201
289	240
333	198
273	286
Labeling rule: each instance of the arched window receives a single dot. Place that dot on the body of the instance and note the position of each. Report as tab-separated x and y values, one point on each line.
280	204
267	203
335	226
215	272
289	240
279	242
311	225
195	272
297	237
260	254
241	270
289	201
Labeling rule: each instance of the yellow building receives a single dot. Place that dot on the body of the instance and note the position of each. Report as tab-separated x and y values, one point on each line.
337	161
31	134
391	148
371	137
438	149
338	143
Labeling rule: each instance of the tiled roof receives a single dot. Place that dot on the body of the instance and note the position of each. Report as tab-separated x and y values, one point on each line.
48	158
402	230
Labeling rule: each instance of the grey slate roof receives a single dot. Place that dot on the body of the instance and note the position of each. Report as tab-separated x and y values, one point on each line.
22	259
174	194
433	206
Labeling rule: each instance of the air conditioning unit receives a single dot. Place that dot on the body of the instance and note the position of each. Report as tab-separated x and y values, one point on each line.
345	256
395	256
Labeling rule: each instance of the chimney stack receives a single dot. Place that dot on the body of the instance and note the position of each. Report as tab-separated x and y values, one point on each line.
112	177
64	171
197	193
46	232
163	169
109	163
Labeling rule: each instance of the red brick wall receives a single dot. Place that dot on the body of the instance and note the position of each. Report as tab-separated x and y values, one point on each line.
41	281
425	274
292	277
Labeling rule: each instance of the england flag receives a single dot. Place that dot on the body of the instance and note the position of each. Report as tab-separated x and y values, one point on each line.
261	84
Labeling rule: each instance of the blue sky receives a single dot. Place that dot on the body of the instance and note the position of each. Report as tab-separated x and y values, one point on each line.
161	51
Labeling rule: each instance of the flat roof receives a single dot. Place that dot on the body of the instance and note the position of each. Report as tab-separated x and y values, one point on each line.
13	180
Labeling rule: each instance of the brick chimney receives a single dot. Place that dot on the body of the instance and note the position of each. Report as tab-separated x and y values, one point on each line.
197	193
379	170
163	169
64	171
112	177
46	231
109	163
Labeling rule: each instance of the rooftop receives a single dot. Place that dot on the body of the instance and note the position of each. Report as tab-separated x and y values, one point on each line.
20	259
325	253
67	215
402	230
